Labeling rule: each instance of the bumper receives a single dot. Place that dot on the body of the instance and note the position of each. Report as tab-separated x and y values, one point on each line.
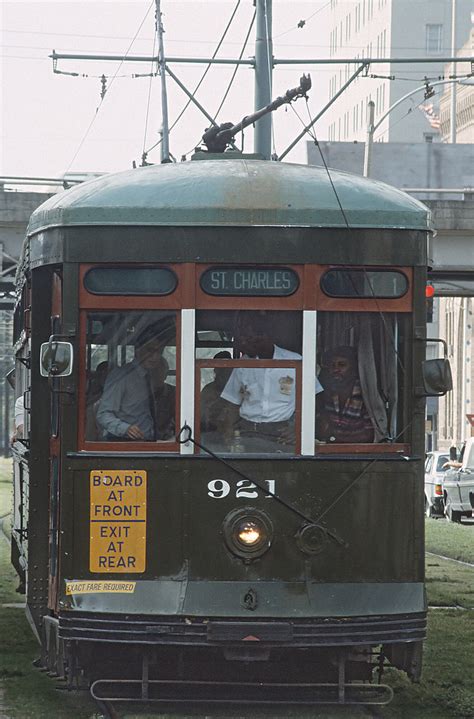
200	632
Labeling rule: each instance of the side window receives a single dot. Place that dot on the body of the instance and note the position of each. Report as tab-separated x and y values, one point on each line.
428	464
360	366
130	376
248	368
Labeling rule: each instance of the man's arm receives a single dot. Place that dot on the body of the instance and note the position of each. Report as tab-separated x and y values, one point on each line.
109	407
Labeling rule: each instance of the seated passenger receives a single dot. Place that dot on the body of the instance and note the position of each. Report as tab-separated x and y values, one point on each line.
164	396
341	413
213	407
126	410
94	393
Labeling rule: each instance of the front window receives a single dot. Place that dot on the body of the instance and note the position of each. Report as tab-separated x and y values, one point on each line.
248	366
361	367
131	376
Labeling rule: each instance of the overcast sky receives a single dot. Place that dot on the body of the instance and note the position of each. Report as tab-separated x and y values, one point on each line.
52	124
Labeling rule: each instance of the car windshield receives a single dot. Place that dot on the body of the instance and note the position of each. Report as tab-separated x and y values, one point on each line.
442	459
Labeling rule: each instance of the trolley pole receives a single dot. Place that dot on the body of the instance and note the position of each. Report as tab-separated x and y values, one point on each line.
263	76
165	146
370	140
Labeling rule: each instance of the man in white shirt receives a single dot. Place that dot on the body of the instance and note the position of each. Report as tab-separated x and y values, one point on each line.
265	396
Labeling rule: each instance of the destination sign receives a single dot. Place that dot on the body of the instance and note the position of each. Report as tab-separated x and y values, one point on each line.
250	281
117	521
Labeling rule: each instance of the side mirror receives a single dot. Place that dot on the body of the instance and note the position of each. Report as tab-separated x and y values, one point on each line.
437	377
56	359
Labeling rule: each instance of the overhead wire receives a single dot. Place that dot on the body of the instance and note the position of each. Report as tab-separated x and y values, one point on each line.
389	332
219	44
234	73
304	21
236	68
110	84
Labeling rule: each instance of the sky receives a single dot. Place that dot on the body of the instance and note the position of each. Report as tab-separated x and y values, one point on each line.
51	124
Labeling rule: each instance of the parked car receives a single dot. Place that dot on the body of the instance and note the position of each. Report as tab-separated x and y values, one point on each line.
458	486
434	473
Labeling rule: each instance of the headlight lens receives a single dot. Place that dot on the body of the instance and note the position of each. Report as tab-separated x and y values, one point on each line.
248	532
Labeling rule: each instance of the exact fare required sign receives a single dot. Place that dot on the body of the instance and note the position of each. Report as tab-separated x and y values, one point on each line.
117	521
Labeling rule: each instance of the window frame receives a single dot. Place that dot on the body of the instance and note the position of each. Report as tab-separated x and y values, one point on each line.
90	303
187	299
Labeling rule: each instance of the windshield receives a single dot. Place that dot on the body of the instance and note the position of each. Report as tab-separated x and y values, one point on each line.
442	459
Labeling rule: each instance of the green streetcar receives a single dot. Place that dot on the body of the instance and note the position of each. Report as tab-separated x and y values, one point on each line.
206	558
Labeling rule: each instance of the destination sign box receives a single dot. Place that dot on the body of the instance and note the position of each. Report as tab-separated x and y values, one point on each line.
117	521
250	281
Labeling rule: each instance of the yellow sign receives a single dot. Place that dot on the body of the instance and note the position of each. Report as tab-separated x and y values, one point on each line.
117	521
100	587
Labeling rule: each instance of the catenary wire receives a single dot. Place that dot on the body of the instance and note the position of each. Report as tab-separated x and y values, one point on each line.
292	29
389	333
236	68
110	84
234	73
219	44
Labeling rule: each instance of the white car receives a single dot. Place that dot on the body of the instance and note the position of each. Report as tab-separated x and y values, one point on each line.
434	473
458	486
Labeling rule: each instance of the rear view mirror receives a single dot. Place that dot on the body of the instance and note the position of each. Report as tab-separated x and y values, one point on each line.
437	377
56	359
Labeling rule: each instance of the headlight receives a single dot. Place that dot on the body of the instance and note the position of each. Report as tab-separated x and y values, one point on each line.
248	533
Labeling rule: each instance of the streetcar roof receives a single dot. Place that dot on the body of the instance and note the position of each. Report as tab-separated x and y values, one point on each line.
234	192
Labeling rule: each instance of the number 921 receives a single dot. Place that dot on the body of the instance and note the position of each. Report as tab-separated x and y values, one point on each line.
244	489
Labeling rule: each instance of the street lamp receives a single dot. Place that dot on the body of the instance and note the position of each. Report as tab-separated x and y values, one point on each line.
371	127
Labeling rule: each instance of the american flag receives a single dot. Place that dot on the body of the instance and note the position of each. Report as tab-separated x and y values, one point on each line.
431	115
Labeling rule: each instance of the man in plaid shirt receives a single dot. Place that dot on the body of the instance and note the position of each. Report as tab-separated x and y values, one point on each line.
342	415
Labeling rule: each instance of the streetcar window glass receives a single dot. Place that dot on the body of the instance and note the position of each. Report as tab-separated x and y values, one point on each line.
130	281
364	283
360	366
249	409
131	376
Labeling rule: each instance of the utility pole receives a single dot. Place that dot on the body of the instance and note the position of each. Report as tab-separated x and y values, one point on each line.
370	139
263	76
452	132
165	147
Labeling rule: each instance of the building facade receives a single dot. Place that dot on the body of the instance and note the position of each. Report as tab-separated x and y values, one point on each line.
464	98
391	29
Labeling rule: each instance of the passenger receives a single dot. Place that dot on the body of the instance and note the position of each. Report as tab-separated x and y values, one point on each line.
164	396
213	407
342	415
96	388
126	410
265	397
